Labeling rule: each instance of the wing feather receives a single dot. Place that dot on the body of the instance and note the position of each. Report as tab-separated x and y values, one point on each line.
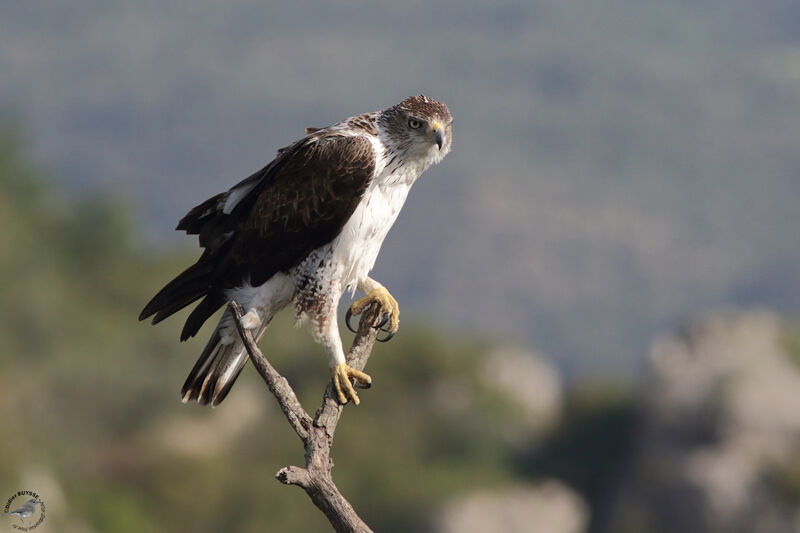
304	205
270	221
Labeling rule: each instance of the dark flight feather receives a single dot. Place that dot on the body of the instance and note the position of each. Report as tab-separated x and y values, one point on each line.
297	203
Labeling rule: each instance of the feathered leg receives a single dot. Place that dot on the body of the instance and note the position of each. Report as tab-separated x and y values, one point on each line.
321	313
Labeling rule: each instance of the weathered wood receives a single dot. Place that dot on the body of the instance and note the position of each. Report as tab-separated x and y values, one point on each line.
276	383
316	434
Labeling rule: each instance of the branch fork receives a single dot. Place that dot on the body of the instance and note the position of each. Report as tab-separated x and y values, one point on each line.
316	433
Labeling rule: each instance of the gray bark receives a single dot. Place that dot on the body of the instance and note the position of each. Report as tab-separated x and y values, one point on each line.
317	433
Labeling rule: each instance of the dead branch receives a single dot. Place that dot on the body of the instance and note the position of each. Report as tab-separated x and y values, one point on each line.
316	434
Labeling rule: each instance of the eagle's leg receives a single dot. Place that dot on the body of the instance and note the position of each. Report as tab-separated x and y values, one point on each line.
377	293
326	330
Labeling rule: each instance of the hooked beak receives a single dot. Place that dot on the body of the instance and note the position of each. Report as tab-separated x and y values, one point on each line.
438	134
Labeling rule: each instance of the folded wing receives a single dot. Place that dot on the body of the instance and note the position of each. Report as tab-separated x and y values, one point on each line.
268	223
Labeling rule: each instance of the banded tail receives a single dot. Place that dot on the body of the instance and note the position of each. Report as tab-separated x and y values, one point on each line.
217	368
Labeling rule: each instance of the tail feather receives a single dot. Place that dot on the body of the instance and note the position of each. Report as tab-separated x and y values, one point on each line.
200	314
217	368
189	286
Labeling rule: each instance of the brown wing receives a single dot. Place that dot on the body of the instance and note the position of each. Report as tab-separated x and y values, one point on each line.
304	206
268	223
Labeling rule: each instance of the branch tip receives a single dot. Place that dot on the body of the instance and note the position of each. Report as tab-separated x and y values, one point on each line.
293	475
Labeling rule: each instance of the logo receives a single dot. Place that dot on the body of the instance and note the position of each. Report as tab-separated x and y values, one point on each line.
25	510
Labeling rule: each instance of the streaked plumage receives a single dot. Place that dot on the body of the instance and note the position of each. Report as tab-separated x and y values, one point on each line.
301	231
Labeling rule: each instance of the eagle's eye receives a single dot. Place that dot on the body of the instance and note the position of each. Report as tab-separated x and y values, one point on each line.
414	123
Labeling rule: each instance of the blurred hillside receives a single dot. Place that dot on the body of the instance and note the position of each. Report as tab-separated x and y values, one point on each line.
616	166
459	433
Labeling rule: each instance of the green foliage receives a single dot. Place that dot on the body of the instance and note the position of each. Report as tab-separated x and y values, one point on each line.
592	445
784	479
790	339
117	509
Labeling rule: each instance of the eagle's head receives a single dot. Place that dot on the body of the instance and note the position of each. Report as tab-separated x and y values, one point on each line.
420	127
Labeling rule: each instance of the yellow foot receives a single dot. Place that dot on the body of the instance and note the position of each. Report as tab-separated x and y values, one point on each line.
388	306
344	387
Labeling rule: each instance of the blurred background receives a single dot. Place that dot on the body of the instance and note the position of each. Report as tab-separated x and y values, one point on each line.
599	285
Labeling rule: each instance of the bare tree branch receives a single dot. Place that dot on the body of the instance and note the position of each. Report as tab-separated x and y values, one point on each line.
316	434
277	384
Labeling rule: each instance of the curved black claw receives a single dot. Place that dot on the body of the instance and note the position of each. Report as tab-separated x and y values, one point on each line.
347	318
387	338
384	320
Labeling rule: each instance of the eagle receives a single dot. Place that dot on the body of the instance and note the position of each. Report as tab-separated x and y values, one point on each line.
302	231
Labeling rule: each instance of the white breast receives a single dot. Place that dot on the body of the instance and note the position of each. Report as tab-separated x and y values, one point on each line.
356	248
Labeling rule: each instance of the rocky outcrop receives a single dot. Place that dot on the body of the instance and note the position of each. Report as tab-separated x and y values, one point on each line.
547	507
720	443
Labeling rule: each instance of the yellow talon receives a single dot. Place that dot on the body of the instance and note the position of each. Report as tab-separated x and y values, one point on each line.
344	387
387	303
